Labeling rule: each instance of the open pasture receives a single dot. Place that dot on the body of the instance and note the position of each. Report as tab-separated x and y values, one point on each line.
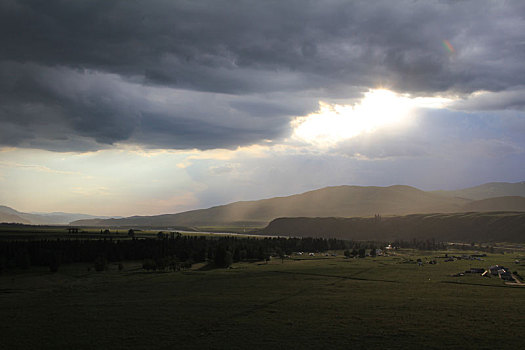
22	232
311	302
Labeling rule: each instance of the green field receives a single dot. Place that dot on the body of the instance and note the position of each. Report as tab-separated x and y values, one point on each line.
303	303
14	232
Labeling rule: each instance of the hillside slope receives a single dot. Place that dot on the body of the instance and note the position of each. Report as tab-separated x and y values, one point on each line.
466	227
508	203
11	215
330	201
488	190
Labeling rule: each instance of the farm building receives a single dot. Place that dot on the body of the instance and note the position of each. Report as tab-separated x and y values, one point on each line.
496	270
507	276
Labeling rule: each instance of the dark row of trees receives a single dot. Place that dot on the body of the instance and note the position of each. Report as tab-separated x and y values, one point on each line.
427	244
432	244
222	251
176	252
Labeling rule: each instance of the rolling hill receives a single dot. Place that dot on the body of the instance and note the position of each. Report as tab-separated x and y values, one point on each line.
453	227
338	201
10	215
488	190
508	203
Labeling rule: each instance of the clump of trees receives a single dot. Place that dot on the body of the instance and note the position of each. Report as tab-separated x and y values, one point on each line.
223	257
176	252
170	252
427	244
54	262
167	263
100	263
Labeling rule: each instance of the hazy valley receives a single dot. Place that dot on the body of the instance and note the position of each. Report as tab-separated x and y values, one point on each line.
337	201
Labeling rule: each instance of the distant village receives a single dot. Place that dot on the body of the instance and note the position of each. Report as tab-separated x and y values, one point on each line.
498	271
501	272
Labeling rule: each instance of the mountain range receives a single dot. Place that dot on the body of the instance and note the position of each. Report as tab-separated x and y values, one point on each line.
488	190
451	227
11	215
336	201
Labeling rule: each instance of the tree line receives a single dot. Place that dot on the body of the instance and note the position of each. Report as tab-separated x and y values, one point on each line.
177	252
163	251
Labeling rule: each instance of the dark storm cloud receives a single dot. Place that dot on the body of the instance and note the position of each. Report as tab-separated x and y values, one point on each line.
231	73
61	107
513	99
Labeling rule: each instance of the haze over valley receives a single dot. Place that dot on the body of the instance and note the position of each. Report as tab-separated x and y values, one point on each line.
247	174
179	106
336	201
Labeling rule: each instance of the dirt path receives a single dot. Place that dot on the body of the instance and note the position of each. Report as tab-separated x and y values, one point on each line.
516	282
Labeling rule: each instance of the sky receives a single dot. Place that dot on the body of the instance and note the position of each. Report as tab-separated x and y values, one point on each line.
150	107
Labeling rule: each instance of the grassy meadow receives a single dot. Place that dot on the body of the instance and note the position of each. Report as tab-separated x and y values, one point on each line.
14	232
299	303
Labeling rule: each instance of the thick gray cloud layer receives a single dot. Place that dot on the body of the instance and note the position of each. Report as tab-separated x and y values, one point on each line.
77	75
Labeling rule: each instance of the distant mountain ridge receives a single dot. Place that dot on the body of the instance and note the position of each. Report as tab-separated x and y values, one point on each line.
337	201
11	215
488	190
451	227
508	203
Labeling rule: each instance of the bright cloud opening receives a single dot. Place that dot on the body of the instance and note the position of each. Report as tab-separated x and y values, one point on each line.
378	109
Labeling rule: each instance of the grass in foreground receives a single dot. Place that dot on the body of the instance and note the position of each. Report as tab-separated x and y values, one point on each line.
317	302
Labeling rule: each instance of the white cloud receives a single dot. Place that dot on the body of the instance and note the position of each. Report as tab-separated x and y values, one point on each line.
378	110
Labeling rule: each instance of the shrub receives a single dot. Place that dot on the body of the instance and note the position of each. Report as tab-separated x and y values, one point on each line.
23	260
101	264
162	263
54	262
223	257
149	264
